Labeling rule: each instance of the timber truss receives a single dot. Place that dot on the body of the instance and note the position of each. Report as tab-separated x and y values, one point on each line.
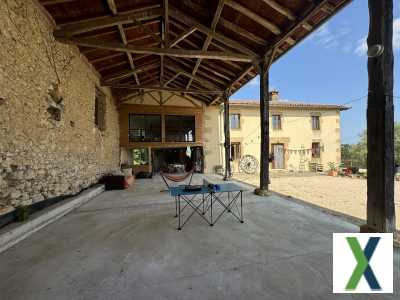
198	49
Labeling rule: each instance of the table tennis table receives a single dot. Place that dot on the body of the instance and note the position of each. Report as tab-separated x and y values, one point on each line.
203	200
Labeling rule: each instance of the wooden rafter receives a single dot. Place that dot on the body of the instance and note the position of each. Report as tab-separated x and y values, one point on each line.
141	14
303	21
190	43
241	76
189	99
113	7
182	36
166	22
157	51
53	2
101	58
242	32
204	74
215	72
179	15
203	82
207	42
168	98
253	16
281	9
158	101
172	79
120	76
111	66
159	88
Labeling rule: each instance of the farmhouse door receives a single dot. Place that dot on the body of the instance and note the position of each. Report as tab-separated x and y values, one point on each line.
279	156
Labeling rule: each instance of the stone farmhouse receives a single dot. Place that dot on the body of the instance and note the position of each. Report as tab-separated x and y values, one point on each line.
303	136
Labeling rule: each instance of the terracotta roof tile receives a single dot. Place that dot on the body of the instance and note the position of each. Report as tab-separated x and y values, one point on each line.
289	104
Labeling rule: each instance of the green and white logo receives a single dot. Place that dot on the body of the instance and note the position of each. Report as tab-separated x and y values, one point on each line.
362	263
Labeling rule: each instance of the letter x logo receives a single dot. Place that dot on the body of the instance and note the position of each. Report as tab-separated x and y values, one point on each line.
363	267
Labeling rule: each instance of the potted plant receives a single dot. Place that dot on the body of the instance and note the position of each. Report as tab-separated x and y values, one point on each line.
333	171
219	170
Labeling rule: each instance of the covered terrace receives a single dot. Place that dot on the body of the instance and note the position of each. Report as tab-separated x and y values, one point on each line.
206	51
123	244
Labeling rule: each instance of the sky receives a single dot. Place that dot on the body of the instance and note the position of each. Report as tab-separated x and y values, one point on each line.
330	66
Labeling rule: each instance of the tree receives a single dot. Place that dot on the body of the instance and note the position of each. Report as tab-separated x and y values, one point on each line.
357	153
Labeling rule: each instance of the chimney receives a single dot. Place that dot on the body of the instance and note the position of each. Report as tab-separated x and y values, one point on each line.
274	95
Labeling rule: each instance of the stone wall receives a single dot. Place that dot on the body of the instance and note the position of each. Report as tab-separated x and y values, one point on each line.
49	144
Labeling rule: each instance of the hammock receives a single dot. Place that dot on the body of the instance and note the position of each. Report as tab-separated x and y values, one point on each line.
177	178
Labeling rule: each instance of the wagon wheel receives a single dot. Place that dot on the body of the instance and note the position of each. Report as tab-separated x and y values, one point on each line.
248	164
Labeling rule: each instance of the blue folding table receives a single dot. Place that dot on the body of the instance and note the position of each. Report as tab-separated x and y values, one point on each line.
209	198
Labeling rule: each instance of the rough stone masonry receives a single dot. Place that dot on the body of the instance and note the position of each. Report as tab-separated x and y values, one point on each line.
49	143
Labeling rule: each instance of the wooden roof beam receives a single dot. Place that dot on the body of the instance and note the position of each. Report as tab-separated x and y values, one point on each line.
207	42
182	36
157	51
159	88
100	59
244	33
113	7
207	75
303	21
328	8
307	26
172	79
231	63
179	15
107	67
203	82
123	75
165	40
166	21
241	76
52	2
253	16
281	9
215	72
141	14
189	99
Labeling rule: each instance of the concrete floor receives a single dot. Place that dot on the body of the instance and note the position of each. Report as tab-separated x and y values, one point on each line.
123	245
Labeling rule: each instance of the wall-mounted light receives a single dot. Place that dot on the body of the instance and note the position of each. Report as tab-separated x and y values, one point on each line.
375	51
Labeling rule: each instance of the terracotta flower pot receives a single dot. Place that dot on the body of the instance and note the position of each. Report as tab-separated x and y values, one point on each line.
333	173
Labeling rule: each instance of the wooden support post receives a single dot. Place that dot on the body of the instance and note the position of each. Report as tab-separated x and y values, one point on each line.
380	124
264	119
227	144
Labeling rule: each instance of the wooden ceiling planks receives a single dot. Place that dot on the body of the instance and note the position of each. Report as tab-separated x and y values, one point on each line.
237	33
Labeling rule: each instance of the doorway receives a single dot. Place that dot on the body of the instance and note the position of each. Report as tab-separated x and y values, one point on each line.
279	156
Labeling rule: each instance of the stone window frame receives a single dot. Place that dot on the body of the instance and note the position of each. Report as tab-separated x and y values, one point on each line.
100	102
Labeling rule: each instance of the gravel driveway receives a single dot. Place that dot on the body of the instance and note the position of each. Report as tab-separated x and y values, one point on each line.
341	194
